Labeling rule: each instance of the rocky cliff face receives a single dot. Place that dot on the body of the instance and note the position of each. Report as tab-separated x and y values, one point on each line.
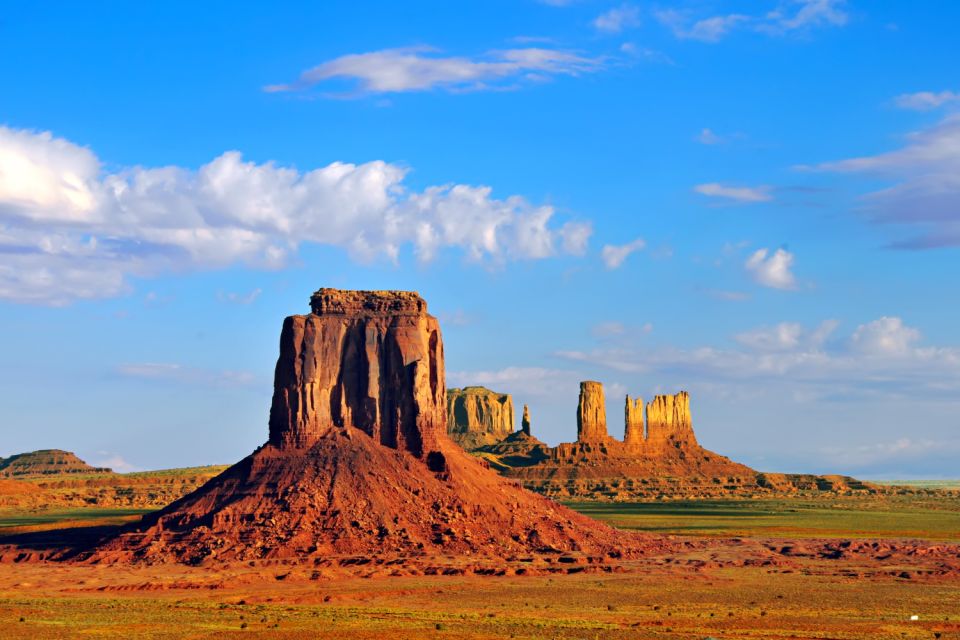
669	425
592	414
633	435
477	416
369	360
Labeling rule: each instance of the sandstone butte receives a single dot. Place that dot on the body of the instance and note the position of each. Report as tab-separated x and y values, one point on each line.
358	462
477	416
658	457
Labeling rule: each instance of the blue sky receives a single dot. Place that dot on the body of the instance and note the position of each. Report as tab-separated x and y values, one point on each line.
754	201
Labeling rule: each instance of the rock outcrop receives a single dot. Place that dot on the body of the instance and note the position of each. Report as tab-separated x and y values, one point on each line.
633	431
46	462
668	423
592	413
358	463
525	421
477	416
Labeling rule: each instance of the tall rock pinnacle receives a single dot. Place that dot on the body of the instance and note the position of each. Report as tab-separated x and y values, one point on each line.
366	359
525	421
592	413
633	422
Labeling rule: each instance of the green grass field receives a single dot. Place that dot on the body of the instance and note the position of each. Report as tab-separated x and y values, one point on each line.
931	519
12	522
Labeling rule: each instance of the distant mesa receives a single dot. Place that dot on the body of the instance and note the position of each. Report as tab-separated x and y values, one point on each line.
658	457
477	416
45	462
358	463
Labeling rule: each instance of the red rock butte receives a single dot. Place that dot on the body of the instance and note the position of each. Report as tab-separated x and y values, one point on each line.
358	461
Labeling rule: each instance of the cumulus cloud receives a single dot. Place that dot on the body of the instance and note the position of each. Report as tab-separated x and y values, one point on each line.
798	15
925	193
885	337
771	270
614	255
423	69
113	461
737	194
926	100
617	19
69	230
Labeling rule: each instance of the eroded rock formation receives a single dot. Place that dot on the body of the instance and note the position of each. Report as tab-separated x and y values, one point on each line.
592	413
46	462
477	416
368	360
659	457
525	422
633	431
358	462
668	423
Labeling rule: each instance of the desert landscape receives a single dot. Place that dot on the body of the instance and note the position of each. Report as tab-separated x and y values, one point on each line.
360	516
481	320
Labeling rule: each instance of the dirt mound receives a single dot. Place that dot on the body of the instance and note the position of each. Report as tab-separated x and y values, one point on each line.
358	461
45	462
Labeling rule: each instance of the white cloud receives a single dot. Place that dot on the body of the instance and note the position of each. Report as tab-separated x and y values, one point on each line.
882	358
926	189
521	381
772	270
708	137
798	15
422	69
786	336
809	13
895	451
70	231
617	19
885	337
240	298
926	100
112	461
738	194
170	372
614	255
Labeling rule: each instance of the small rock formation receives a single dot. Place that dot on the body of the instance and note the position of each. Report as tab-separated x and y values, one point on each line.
477	416
525	421
633	433
46	462
592	414
358	465
668	423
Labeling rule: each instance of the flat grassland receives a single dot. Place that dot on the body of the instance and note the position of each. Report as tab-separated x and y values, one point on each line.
926	518
678	598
